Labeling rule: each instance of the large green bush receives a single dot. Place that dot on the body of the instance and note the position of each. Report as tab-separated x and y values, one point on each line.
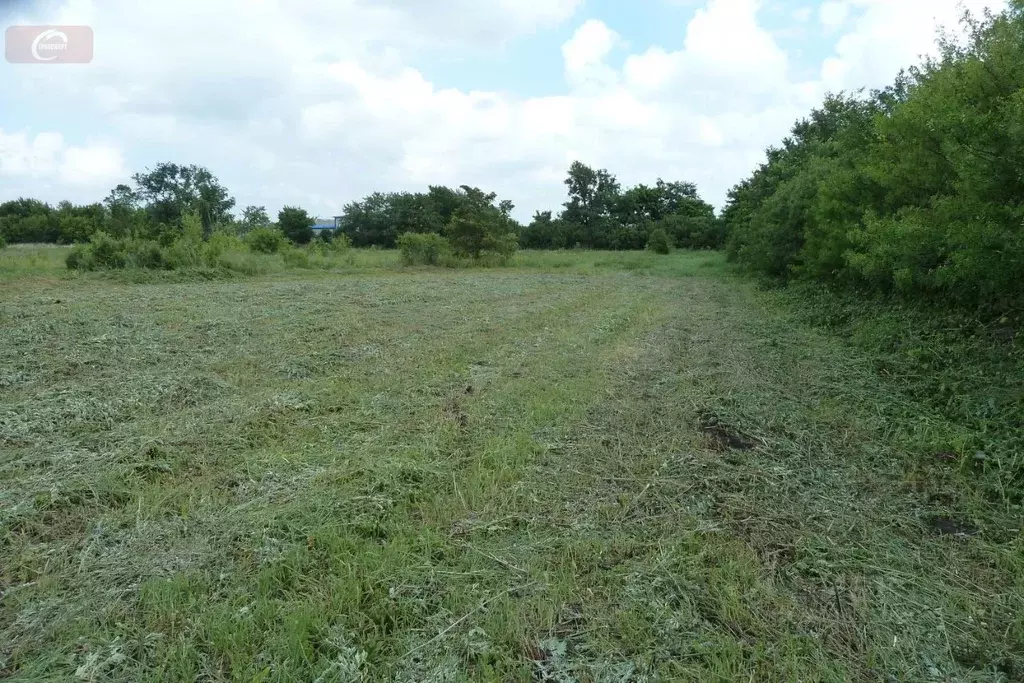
220	253
265	240
79	258
659	242
693	232
104	252
107	252
915	191
426	249
476	236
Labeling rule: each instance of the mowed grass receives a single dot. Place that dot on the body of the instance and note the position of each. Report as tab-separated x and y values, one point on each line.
584	467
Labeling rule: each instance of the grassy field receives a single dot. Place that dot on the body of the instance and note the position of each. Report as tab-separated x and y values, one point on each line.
584	467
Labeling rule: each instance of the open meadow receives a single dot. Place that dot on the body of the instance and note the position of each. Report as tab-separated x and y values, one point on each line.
580	467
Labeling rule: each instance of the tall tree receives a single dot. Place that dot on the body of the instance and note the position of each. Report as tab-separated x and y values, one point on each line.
592	197
254	217
415	212
296	224
123	207
169	191
370	221
543	232
479	226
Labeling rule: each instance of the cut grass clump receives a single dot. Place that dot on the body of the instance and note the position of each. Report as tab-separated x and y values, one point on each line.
962	378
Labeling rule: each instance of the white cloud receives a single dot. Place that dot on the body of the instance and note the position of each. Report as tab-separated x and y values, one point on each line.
709	132
480	22
585	54
888	35
47	157
834	13
33	157
97	165
725	39
728	62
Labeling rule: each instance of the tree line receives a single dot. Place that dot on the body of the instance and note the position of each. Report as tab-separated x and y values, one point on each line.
600	215
915	190
154	207
597	215
471	221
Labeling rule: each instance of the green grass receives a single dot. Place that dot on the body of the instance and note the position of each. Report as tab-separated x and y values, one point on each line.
581	467
21	260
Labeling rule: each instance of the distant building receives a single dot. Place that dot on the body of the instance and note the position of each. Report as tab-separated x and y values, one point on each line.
322	224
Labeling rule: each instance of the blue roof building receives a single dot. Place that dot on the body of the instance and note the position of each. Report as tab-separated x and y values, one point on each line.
322	224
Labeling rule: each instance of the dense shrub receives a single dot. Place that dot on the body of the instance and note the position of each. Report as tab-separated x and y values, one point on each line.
220	253
218	245
426	249
220	242
185	254
78	258
107	252
104	252
693	232
265	240
544	232
915	191
30	220
380	219
659	241
147	254
478	236
191	228
3	242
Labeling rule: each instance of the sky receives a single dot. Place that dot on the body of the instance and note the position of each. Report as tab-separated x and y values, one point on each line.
316	104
